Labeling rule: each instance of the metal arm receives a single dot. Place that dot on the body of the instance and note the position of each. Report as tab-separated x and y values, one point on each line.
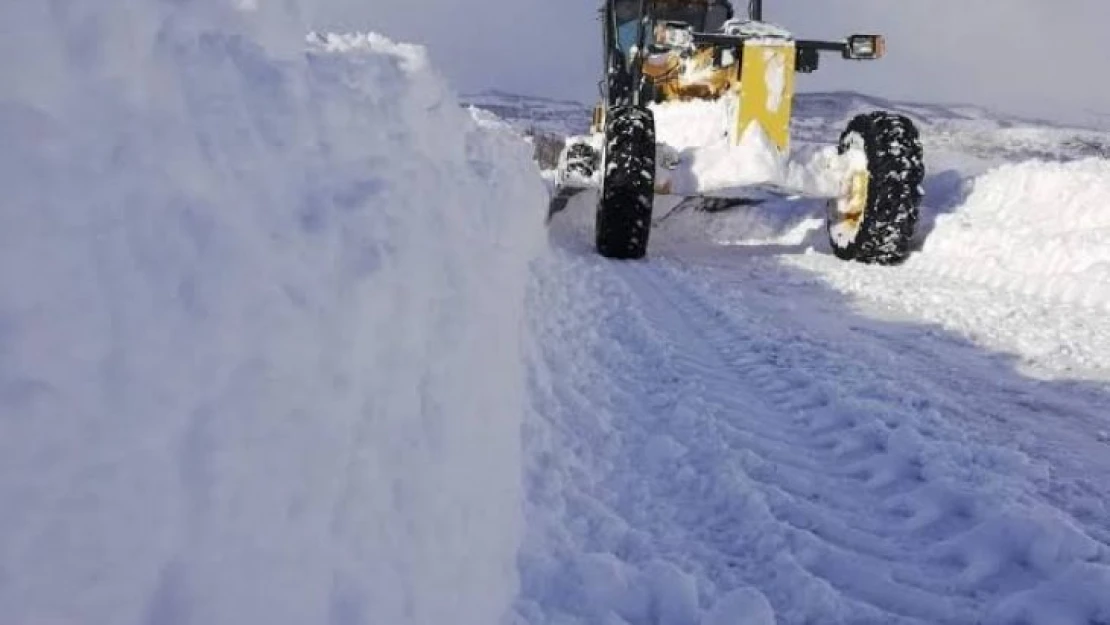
809	50
822	46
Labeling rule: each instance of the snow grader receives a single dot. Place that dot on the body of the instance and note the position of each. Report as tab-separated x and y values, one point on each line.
696	104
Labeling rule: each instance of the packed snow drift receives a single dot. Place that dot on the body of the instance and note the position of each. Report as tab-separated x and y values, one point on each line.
1036	227
261	310
696	138
699	157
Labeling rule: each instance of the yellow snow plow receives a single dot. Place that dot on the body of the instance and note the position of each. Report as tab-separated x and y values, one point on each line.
697	102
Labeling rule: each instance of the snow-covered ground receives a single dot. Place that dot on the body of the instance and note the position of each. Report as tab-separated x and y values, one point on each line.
532	114
281	341
261	311
744	429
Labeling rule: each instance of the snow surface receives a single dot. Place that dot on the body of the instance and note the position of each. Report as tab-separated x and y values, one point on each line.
281	342
723	418
1042	228
533	114
261	313
744	429
775	78
698	132
698	135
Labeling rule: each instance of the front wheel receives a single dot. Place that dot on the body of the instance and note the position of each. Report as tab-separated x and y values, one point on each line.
628	183
874	218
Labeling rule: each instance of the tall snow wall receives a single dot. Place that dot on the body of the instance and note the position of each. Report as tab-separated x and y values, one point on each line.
260	311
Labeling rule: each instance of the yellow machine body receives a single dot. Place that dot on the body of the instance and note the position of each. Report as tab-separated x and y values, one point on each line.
758	78
761	75
766	87
690	77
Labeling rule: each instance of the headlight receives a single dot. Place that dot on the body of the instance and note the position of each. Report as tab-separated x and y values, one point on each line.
865	47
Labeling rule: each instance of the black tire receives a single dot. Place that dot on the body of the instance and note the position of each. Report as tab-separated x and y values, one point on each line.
628	183
896	168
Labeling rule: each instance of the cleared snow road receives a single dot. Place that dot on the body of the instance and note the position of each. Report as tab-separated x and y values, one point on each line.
745	434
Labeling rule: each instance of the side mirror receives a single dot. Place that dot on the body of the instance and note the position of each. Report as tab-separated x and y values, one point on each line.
865	47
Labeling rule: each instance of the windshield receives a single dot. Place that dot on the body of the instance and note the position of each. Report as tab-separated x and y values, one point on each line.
626	10
626	14
705	16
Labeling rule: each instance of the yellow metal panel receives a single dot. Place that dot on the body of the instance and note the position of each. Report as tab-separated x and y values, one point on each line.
767	90
597	123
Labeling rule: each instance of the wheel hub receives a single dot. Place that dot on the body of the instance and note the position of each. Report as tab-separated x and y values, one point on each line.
847	209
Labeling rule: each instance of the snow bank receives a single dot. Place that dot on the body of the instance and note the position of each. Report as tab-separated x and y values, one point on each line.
697	154
695	135
1038	228
259	311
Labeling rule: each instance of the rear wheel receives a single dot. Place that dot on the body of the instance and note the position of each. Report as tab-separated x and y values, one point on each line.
628	183
874	218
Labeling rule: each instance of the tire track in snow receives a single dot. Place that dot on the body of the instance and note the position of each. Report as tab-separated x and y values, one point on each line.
640	467
742	423
1055	419
826	545
1016	502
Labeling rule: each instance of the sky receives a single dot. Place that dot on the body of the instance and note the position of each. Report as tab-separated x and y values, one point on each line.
1045	58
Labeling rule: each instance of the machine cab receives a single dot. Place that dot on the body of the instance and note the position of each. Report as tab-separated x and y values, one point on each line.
703	16
630	24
